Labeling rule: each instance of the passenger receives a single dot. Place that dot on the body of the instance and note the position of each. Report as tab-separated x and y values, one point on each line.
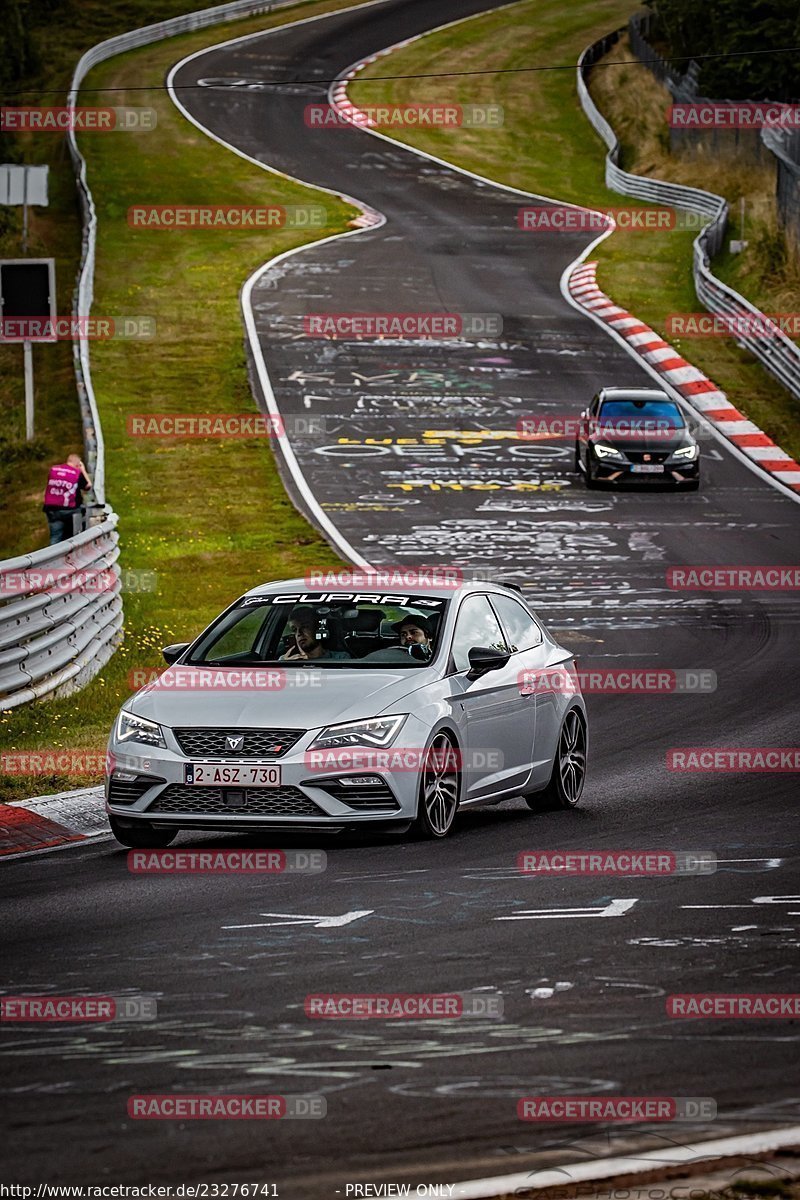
305	644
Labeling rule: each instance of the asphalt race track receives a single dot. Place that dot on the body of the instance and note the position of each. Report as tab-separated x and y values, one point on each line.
584	990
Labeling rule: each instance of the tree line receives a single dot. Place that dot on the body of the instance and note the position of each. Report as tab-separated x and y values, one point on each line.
691	28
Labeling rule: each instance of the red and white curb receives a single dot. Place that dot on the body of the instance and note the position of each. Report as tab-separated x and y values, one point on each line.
47	822
670	1161
696	388
340	100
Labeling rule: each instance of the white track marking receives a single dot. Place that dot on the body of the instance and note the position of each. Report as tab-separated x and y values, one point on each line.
615	908
317	922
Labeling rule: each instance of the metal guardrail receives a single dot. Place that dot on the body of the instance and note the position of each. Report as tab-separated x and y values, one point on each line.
53	640
60	614
778	354
785	145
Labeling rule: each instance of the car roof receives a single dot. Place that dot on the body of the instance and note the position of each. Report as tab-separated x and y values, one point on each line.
631	393
337	584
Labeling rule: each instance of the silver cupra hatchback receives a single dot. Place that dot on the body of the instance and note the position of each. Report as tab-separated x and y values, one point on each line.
321	709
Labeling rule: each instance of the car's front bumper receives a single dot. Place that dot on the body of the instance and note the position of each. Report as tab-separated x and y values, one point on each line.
605	471
148	785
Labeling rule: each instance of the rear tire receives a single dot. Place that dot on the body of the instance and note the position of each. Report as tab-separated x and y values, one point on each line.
566	782
142	837
439	789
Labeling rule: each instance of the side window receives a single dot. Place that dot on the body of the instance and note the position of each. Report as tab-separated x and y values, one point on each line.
521	630
476	625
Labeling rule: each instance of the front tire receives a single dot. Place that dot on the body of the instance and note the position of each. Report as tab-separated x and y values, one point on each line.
569	768
142	837
439	789
591	481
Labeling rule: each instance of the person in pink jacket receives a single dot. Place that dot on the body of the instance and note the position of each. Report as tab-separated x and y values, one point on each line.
63	497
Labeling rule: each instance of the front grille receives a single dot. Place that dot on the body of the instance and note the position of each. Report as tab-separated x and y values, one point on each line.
258	743
655	456
128	791
378	795
261	802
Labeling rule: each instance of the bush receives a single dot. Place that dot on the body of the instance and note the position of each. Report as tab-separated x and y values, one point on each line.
735	27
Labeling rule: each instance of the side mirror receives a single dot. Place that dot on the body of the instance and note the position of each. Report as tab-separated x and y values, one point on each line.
485	658
173	653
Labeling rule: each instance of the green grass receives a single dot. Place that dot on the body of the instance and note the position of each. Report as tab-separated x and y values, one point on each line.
210	517
777	1188
547	145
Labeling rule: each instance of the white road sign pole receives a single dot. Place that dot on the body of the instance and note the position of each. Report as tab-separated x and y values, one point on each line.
25	217
28	353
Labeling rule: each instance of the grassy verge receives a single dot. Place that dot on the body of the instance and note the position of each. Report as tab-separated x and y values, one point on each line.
55	232
210	517
547	145
635	103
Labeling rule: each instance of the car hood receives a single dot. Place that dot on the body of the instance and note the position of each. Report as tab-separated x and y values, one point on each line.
326	698
665	441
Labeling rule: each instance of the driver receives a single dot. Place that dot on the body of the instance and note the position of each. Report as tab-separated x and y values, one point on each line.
303	629
415	636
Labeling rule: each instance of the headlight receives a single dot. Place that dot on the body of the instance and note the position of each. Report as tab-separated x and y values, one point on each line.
688	453
138	729
381	731
608	452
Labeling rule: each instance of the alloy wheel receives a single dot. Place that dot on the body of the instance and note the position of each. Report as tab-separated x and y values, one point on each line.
440	784
572	757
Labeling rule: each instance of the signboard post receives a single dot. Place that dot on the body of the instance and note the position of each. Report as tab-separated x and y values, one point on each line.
20	184
28	313
27	357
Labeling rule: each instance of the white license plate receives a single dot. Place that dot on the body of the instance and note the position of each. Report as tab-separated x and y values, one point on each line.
648	468
231	775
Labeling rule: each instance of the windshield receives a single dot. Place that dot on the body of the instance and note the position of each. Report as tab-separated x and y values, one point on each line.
640	416
326	630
